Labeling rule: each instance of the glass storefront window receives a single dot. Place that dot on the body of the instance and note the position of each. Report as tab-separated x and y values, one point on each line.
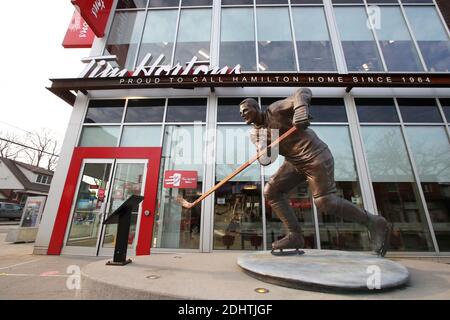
275	46
186	110
163	3
228	110
376	110
176	227
131	4
395	41
237	41
238	204
145	110
159	35
105	111
445	103
194	34
431	152
337	233
360	49
328	110
128	179
396	192
125	36
431	36
89	206
141	136
99	136
419	110
315	52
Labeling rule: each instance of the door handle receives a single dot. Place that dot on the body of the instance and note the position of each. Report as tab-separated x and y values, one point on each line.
147	213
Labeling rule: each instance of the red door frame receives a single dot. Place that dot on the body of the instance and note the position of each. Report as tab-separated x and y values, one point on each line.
152	154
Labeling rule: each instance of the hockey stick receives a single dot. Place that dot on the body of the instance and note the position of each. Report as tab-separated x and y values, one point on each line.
189	205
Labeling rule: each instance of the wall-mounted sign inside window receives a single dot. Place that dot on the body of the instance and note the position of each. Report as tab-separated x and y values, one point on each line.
79	34
96	13
180	179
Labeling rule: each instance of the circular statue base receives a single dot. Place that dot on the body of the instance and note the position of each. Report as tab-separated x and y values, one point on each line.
326	270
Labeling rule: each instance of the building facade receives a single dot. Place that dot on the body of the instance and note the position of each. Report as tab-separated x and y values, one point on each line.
390	143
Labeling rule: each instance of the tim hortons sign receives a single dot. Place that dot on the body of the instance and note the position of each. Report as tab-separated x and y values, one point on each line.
100	74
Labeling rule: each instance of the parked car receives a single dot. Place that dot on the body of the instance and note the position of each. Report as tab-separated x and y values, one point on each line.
11	211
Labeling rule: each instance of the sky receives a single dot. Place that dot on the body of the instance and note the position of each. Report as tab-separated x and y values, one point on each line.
31	53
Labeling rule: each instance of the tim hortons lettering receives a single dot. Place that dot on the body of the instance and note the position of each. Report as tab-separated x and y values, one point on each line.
97	6
100	67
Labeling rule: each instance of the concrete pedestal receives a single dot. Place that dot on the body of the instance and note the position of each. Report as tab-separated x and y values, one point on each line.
326	270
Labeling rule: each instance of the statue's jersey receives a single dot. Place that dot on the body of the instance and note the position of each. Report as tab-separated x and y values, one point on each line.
301	146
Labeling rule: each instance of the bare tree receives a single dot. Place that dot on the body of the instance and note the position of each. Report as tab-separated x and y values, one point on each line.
8	147
44	147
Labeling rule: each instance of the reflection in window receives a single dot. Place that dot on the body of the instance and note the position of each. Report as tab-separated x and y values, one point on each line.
124	37
376	110
360	49
419	110
163	3
237	44
141	136
177	227
336	233
237	208
159	34
105	111
276	51
99	136
396	192
128	179
431	152
395	41
328	110
145	110
89	205
186	110
131	4
314	47
194	33
445	103
431	37
228	110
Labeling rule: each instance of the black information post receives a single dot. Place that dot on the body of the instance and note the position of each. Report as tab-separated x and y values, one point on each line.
122	216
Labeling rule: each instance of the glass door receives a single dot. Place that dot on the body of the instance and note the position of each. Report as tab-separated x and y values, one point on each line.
128	179
89	207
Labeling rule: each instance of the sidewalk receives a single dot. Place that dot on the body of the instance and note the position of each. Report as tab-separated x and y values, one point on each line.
176	276
217	276
27	276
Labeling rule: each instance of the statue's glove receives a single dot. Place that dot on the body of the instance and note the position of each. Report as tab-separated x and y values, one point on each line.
301	117
302	101
259	137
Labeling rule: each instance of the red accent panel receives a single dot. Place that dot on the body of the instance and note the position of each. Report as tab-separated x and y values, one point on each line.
153	154
78	34
96	13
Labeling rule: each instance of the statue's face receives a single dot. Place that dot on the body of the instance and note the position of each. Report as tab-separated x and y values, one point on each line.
248	113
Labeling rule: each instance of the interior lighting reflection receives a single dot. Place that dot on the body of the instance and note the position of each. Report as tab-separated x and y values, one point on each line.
204	54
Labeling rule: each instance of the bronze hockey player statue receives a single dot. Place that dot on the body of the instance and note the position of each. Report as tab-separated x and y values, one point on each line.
306	157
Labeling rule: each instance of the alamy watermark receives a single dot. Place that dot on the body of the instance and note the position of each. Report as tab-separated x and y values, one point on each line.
74	280
374	279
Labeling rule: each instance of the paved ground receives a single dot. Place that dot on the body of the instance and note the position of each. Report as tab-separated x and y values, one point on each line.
217	276
27	276
208	276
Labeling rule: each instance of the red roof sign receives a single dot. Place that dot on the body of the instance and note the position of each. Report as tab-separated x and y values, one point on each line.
95	13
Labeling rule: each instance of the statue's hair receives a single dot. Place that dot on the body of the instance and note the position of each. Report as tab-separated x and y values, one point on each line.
250	102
